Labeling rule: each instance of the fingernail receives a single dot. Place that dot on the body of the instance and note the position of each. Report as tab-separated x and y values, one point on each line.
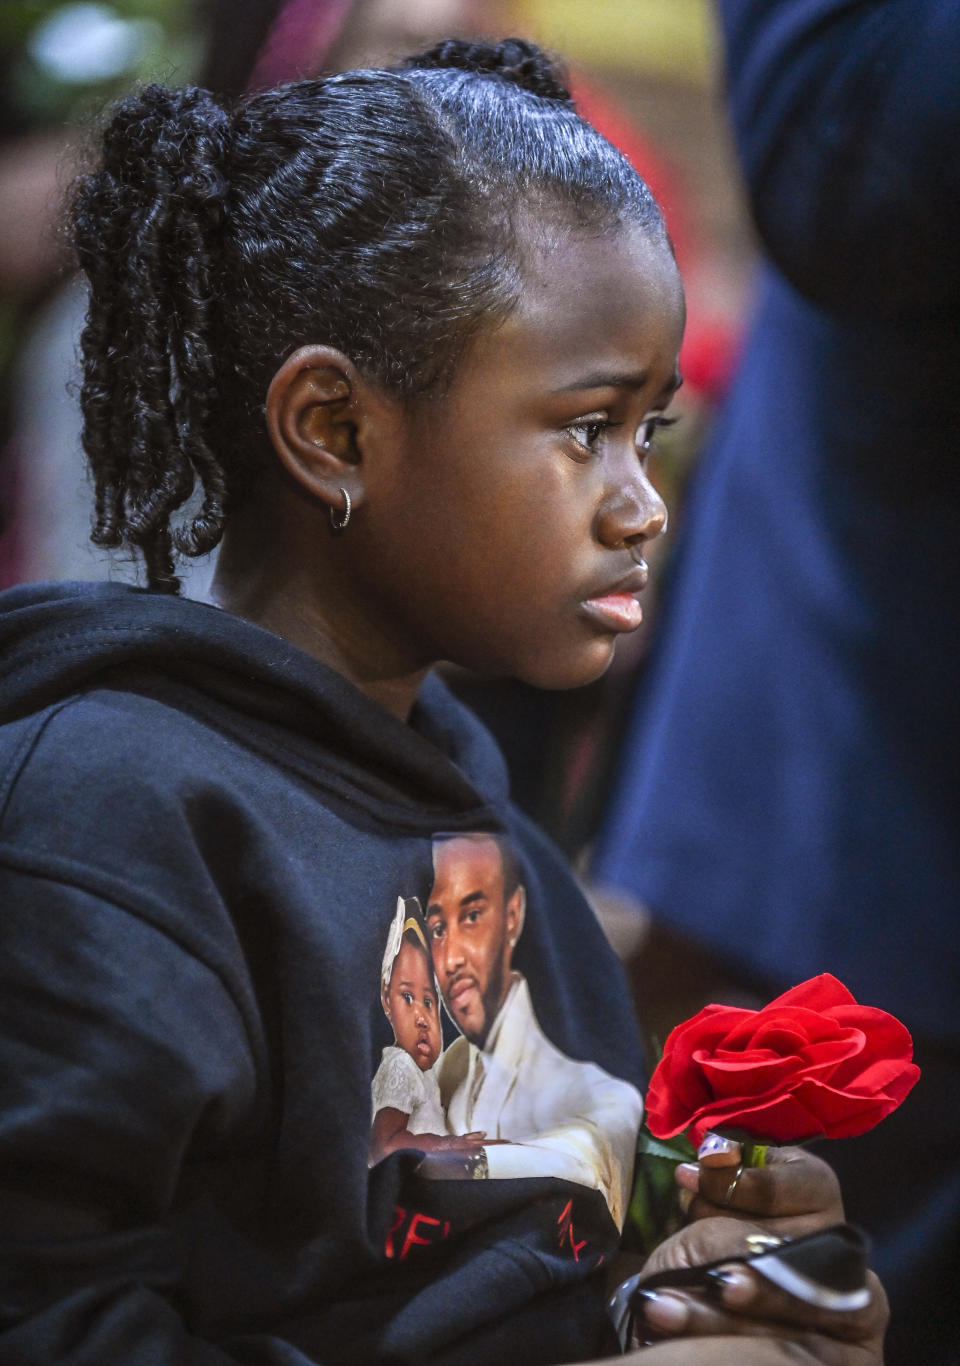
714	1284
685	1199
730	1286
716	1143
687	1175
666	1313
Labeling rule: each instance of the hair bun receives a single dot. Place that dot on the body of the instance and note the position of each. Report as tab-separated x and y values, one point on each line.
514	59
178	135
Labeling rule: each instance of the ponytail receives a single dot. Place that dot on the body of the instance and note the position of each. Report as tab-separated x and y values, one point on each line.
145	225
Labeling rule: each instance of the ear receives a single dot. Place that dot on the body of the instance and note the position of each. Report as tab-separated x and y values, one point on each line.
516	910
315	417
384	1002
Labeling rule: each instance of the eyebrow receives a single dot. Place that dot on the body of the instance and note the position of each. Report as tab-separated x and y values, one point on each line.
472	897
435	909
614	379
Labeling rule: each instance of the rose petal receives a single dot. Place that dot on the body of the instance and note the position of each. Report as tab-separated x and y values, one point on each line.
871	1079
676	1086
798	1023
886	1035
675	1072
894	1081
781	1119
812	1062
843	1115
749	1076
816	993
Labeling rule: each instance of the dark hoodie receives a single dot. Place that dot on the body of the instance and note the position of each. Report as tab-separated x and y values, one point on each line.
203	836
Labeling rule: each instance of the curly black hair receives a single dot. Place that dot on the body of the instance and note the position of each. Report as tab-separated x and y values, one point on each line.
374	210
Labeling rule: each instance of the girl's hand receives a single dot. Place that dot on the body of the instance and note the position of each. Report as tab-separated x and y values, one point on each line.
792	1194
745	1318
459	1143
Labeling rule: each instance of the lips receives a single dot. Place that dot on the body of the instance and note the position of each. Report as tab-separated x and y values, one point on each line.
616	606
460	988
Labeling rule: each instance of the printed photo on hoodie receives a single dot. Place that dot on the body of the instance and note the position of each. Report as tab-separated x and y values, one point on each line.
501	1100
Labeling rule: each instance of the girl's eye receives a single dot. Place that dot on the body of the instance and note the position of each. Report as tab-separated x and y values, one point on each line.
648	430
588	431
407	997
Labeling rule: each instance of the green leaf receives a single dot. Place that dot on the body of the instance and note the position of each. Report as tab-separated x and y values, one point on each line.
654	1210
679	1149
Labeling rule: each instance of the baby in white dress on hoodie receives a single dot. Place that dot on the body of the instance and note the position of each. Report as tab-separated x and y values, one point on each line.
407	1112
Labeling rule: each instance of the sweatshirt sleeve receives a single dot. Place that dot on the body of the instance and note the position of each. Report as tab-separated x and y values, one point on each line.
581	1151
846	115
123	1059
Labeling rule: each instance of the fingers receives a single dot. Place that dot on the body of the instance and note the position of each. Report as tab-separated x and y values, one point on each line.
757	1351
719	1152
464	1143
723	1351
707	1240
449	1163
741	1290
794	1192
738	1303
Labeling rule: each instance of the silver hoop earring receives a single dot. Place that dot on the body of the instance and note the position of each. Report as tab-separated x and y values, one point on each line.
339	523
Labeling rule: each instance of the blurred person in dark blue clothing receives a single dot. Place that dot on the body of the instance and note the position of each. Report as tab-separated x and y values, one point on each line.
789	791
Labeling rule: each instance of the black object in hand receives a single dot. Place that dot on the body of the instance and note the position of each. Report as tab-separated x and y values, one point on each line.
827	1269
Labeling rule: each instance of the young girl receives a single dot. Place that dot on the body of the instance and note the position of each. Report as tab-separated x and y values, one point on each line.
409	335
407	1110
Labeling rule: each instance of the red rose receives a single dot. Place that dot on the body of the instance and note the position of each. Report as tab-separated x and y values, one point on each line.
812	1063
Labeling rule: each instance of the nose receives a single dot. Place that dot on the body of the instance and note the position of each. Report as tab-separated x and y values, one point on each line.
631	511
451	957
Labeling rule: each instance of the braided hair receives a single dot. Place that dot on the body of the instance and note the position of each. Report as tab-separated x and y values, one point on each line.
374	210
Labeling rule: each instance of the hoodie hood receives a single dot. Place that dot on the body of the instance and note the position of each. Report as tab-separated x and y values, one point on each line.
61	639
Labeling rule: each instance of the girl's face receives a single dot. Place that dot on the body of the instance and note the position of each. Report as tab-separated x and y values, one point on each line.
504	528
410	1003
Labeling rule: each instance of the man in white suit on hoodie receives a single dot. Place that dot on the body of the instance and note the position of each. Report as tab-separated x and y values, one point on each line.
552	1115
